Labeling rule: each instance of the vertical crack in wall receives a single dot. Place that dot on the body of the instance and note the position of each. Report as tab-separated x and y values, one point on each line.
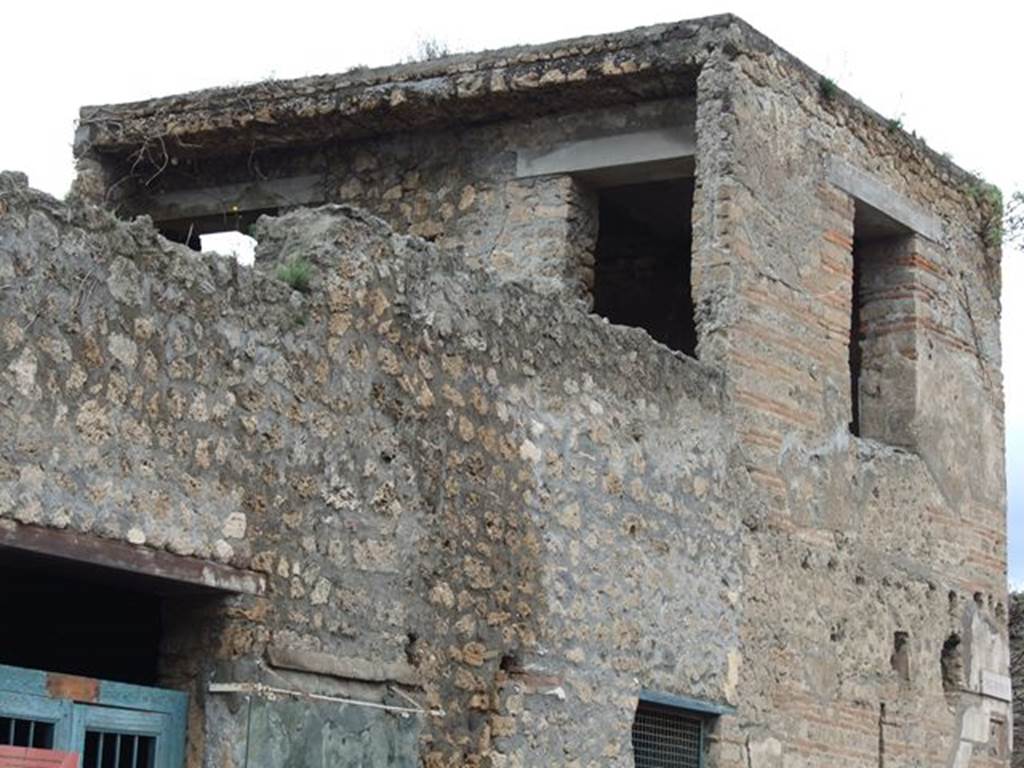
881	734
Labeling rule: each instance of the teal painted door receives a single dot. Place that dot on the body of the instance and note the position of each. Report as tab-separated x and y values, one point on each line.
109	725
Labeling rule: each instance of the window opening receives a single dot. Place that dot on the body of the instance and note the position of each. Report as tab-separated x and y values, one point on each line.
642	270
226	233
900	658
881	328
237	244
667	737
951	664
86	646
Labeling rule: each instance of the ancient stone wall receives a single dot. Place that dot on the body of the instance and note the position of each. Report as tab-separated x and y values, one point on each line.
873	557
484	495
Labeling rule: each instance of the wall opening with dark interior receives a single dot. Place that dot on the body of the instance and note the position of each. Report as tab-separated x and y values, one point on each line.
882	328
900	659
951	664
195	231
642	263
69	617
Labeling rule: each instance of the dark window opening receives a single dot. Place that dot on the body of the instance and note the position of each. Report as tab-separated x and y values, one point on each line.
952	664
58	621
642	264
881	327
901	655
667	737
190	230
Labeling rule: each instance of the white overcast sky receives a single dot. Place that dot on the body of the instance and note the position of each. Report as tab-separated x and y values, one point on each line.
950	71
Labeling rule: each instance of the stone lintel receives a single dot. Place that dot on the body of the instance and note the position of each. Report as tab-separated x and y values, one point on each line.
299	660
669	149
874	192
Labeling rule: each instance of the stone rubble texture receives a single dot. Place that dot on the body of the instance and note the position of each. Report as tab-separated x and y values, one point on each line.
460	482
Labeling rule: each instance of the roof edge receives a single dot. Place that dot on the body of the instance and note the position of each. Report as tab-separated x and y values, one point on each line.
452	64
403	97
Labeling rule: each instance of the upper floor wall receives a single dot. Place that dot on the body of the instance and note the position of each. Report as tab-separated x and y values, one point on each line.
840	273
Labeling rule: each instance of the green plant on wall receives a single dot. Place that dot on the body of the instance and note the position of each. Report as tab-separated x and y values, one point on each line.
990	202
429	49
297	273
827	88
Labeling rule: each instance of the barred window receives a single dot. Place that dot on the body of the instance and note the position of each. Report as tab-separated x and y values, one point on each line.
667	737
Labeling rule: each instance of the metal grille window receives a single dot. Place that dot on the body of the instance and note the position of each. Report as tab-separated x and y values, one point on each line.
20	732
667	737
118	750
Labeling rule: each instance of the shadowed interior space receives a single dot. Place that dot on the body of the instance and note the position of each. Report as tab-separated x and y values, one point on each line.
642	265
59	617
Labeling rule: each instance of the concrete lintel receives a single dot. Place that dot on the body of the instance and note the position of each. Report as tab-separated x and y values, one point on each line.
299	660
660	145
178	572
871	190
236	198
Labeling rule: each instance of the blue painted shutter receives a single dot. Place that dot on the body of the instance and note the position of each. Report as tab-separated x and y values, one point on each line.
127	726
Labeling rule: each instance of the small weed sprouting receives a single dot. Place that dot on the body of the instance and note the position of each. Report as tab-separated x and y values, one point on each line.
990	202
827	88
429	49
895	124
297	273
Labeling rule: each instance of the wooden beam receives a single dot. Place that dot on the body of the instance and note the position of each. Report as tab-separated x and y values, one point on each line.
177	571
232	199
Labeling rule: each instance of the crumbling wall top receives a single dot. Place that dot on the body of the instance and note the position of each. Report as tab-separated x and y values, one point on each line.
644	63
